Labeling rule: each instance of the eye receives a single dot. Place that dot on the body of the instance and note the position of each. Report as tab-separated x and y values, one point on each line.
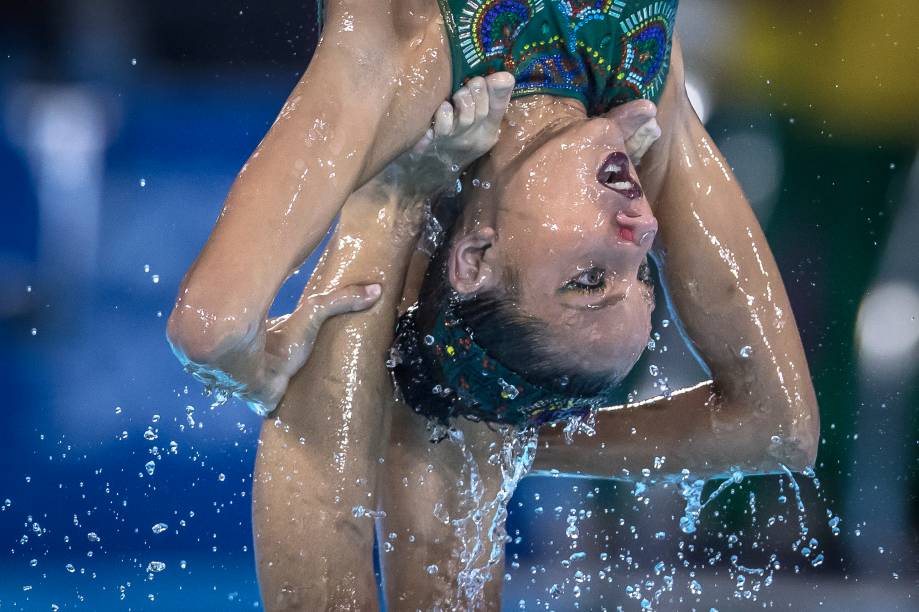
588	281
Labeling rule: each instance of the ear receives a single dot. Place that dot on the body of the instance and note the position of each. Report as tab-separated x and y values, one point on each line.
632	115
470	271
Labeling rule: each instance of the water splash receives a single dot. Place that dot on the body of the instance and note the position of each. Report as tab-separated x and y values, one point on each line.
480	526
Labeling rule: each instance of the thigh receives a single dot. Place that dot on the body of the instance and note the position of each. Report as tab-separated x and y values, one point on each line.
397	61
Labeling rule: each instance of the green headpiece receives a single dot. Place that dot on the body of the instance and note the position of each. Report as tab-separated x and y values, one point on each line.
485	388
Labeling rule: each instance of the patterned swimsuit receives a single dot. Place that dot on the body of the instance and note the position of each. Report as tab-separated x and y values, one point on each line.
601	52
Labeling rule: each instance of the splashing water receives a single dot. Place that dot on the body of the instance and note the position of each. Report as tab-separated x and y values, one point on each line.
750	564
481	526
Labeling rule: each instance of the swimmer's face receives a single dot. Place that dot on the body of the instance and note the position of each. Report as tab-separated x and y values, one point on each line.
572	232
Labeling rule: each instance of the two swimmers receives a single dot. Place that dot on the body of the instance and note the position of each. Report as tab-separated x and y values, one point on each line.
555	242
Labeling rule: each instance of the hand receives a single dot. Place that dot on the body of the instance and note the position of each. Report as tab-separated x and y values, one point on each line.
637	121
259	374
461	132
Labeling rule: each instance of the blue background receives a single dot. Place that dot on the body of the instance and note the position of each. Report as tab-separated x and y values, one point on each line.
124	126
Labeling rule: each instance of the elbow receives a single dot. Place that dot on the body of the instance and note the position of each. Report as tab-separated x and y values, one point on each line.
797	451
795	454
201	338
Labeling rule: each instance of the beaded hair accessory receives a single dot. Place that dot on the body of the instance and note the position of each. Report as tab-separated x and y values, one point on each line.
484	389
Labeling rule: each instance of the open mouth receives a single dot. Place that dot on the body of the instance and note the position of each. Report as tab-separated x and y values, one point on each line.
614	174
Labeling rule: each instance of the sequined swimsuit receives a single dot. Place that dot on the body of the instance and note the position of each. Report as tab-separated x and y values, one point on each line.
601	52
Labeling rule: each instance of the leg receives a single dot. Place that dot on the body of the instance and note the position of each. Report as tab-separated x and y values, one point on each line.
318	461
316	469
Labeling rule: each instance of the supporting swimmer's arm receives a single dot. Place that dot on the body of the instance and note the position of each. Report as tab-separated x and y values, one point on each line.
680	431
727	289
327	140
761	411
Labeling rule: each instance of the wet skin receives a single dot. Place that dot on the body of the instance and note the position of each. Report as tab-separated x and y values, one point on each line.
569	188
312	552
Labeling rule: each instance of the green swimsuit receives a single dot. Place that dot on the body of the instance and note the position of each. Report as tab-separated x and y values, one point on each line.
601	52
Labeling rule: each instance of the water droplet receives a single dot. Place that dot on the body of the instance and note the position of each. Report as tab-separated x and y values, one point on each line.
431	569
746	351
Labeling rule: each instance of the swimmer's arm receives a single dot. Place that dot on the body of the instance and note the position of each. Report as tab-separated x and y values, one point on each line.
675	434
729	294
366	96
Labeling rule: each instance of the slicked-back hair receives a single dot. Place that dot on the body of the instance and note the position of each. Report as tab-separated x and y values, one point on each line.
507	334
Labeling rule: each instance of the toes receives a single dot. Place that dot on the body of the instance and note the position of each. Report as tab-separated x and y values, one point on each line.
464	108
479	96
443	120
500	86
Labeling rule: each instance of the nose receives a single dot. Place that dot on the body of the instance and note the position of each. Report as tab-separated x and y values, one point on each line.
639	223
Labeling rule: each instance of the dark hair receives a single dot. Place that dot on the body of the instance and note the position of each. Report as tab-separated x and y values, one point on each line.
515	339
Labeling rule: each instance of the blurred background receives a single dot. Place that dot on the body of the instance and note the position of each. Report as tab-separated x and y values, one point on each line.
122	487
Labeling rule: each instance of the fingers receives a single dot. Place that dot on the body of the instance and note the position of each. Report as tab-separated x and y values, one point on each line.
464	108
500	86
478	100
639	143
632	115
479	97
443	120
352	298
301	327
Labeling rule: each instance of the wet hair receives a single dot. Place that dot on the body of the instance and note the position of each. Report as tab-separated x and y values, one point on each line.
517	340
